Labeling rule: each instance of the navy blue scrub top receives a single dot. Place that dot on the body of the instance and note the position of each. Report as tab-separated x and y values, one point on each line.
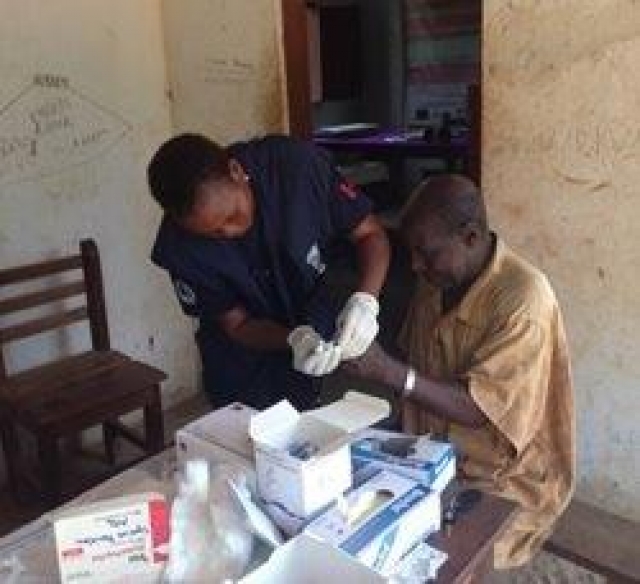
274	271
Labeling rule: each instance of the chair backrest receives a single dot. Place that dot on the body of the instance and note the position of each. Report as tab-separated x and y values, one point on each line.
89	284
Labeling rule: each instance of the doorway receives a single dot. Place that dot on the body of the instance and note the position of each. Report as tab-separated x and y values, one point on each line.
411	65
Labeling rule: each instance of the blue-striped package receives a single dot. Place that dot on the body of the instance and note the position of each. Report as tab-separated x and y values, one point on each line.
430	462
380	521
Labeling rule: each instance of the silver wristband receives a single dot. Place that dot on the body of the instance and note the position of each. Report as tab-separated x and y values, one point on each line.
409	382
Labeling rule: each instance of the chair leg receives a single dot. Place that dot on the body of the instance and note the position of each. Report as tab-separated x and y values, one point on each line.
109	433
153	423
11	449
49	457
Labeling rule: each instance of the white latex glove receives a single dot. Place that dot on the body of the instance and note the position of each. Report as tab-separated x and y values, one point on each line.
357	325
323	360
311	354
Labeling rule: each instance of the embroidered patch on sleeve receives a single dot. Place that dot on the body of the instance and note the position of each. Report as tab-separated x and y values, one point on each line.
185	293
348	189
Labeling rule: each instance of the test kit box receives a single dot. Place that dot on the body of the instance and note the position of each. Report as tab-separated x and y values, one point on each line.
427	461
220	436
380	521
304	484
120	540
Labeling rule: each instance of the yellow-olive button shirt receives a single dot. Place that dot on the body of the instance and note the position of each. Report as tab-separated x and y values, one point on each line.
506	343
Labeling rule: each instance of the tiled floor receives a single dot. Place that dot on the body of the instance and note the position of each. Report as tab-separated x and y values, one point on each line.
88	470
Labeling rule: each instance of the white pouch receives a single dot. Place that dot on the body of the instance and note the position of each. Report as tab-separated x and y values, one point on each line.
210	541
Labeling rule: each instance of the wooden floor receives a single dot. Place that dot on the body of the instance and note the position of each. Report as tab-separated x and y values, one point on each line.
90	469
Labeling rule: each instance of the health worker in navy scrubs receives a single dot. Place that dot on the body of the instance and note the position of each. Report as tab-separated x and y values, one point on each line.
245	239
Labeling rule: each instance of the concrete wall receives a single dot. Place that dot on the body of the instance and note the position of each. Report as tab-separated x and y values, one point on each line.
90	89
225	66
82	107
561	168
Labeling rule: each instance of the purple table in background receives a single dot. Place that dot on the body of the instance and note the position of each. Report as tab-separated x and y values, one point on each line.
394	147
394	143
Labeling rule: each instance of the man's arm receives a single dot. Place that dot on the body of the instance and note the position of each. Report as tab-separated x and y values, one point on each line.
373	252
253	333
448	400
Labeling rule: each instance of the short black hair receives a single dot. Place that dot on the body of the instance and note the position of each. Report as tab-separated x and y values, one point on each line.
453	198
179	166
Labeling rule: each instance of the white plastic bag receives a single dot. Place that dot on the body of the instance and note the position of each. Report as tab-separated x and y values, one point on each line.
210	541
11	570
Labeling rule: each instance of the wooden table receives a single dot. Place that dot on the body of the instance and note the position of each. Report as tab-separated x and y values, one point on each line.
469	541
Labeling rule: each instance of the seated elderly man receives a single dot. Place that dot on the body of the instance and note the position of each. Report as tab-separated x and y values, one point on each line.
486	362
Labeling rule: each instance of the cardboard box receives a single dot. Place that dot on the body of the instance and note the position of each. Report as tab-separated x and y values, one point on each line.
382	520
427	461
220	436
120	540
304	486
304	560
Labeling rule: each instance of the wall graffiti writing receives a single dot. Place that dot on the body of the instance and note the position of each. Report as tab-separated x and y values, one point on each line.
50	126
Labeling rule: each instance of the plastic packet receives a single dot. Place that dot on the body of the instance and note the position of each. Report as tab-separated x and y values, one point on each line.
11	569
419	565
210	541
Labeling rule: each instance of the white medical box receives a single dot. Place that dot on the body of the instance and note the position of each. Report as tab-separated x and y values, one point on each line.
304	486
119	540
220	436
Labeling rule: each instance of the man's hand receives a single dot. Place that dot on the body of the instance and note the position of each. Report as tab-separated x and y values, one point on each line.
373	365
357	325
311	354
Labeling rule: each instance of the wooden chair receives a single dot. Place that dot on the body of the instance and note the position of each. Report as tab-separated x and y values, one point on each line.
64	397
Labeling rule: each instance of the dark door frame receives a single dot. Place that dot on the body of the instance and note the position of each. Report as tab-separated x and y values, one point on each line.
298	86
296	63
